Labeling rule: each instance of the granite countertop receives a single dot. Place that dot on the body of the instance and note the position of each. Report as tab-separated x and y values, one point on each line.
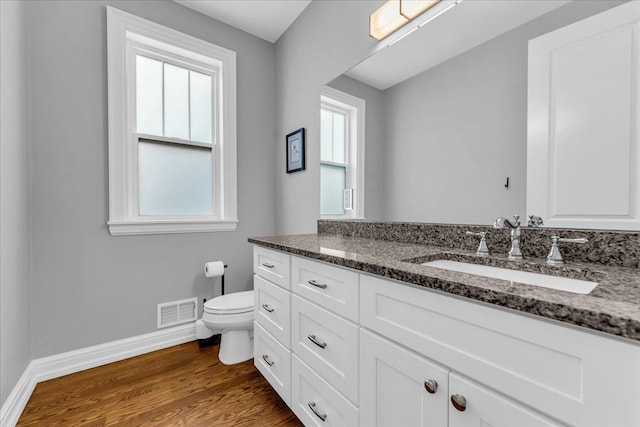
612	307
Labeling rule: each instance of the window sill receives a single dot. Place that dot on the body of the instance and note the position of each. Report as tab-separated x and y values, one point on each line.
132	228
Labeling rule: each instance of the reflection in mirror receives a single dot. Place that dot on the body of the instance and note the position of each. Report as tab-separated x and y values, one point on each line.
446	125
342	118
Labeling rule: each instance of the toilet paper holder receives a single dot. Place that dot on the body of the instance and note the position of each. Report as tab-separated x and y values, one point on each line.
222	282
221	275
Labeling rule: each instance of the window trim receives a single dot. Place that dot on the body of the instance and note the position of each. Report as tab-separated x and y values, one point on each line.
126	32
355	155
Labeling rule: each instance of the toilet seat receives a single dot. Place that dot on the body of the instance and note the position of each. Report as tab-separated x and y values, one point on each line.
235	303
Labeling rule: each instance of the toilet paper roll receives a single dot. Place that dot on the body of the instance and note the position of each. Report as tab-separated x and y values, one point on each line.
214	269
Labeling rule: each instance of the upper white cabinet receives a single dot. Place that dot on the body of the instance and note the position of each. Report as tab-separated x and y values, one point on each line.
583	152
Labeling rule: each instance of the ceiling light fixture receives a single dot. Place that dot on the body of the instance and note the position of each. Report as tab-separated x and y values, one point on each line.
394	14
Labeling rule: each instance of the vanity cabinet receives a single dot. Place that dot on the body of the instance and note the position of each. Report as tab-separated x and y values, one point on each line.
348	348
567	374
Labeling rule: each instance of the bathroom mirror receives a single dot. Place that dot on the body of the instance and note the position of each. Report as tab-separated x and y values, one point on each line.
446	112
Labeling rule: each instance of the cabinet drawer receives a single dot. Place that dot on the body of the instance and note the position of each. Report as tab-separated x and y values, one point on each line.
398	387
316	403
273	361
560	371
272	265
334	354
273	309
333	288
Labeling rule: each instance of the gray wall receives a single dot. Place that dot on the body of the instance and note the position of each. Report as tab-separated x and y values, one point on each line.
328	38
89	287
375	164
15	244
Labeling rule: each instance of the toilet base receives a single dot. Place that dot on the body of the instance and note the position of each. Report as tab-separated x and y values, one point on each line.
236	346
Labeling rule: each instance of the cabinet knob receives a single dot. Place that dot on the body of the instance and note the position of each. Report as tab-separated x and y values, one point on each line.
431	386
459	402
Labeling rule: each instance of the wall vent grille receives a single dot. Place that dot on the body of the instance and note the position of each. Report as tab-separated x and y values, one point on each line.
177	312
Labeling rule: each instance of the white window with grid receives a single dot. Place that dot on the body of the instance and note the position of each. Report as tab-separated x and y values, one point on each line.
172	130
341	155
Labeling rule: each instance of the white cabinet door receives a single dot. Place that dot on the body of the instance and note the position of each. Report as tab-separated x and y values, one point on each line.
478	406
399	388
583	149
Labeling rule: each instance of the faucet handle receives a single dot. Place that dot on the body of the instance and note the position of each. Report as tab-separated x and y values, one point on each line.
555	257
535	221
517	220
482	250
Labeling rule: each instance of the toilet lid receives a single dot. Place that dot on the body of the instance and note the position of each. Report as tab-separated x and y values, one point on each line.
238	302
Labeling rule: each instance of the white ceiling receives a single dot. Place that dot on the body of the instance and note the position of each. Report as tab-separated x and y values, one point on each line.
266	19
463	27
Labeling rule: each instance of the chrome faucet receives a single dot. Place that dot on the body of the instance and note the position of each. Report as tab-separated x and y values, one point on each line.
514	253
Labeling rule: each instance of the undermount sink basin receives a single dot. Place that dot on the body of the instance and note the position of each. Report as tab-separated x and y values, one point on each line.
576	286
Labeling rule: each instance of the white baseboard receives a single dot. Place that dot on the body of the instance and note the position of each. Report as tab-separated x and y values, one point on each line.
55	366
18	398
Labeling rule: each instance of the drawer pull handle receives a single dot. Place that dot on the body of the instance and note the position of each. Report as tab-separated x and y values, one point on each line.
431	386
459	402
268	308
312	406
266	264
268	361
317	285
314	340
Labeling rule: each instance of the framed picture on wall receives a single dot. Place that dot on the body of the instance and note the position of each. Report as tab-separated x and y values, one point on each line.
295	151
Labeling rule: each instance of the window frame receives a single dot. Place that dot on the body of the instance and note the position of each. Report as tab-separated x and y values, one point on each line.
128	35
354	109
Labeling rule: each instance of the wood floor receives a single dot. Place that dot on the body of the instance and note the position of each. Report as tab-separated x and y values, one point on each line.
179	386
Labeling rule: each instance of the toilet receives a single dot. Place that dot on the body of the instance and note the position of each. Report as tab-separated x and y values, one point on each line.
232	316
